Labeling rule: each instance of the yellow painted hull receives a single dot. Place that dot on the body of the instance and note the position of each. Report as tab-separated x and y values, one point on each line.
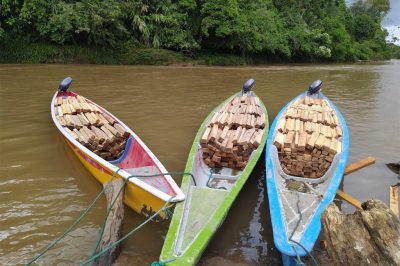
138	199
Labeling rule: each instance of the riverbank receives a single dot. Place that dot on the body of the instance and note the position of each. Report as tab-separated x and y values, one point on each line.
39	53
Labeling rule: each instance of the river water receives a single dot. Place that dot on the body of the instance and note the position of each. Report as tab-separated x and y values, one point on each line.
43	187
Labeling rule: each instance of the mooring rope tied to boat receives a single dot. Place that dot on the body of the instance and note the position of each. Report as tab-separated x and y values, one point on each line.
168	214
93	203
114	244
69	229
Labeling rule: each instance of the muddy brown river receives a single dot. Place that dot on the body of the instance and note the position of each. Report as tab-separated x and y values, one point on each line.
43	186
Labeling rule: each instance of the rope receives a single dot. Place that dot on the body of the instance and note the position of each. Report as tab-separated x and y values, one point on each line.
168	214
298	260
114	244
212	171
91	205
308	253
162	263
51	245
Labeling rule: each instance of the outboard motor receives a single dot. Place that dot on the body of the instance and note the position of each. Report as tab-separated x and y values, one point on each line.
248	85
315	87
64	85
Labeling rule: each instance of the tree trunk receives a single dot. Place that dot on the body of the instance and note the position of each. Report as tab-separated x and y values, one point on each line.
370	236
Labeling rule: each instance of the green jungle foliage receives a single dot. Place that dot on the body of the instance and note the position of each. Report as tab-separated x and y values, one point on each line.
212	31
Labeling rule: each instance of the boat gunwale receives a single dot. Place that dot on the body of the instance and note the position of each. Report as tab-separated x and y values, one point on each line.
313	229
122	173
191	254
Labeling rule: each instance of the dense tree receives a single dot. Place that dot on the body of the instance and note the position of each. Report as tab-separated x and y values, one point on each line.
298	30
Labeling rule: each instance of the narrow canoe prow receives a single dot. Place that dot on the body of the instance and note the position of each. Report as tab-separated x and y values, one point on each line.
306	154
224	152
109	149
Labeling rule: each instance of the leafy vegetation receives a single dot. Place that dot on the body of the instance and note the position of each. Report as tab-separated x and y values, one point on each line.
210	31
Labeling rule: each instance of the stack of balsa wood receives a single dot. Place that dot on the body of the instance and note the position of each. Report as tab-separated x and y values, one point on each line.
308	137
93	128
233	133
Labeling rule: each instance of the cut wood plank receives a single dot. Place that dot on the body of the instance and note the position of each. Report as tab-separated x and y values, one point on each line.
296	139
73	134
281	125
109	135
113	130
353	201
223	134
237	135
121	130
279	140
258	138
302	141
214	132
99	134
109	118
320	142
358	165
205	136
288	139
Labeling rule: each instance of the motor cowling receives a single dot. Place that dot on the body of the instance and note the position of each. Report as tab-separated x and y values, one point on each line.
248	85
64	85
315	87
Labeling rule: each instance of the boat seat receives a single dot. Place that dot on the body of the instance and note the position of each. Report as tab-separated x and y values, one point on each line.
158	182
145	170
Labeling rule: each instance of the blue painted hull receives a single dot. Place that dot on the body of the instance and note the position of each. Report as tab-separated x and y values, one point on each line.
289	250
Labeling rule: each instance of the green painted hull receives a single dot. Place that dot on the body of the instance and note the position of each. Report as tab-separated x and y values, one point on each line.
193	252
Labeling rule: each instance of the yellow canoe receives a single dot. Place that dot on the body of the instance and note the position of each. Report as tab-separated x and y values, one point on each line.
145	195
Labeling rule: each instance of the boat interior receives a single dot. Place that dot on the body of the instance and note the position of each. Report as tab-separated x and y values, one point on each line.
136	161
102	133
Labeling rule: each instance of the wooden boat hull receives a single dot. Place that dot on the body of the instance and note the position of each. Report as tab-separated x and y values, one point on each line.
138	199
214	205
140	196
312	227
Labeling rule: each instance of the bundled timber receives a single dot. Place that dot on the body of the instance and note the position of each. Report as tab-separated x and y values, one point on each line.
93	128
308	138
233	133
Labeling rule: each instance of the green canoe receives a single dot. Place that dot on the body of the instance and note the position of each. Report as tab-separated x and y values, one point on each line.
197	219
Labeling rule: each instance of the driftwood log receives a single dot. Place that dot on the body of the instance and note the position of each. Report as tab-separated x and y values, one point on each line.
113	227
370	236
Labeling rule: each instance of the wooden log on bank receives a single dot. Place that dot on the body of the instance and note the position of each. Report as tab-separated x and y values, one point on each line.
394	199
113	227
370	236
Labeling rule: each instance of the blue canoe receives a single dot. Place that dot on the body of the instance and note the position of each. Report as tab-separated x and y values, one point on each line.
295	213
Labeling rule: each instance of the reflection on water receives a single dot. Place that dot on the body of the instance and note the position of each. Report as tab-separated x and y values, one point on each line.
43	187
